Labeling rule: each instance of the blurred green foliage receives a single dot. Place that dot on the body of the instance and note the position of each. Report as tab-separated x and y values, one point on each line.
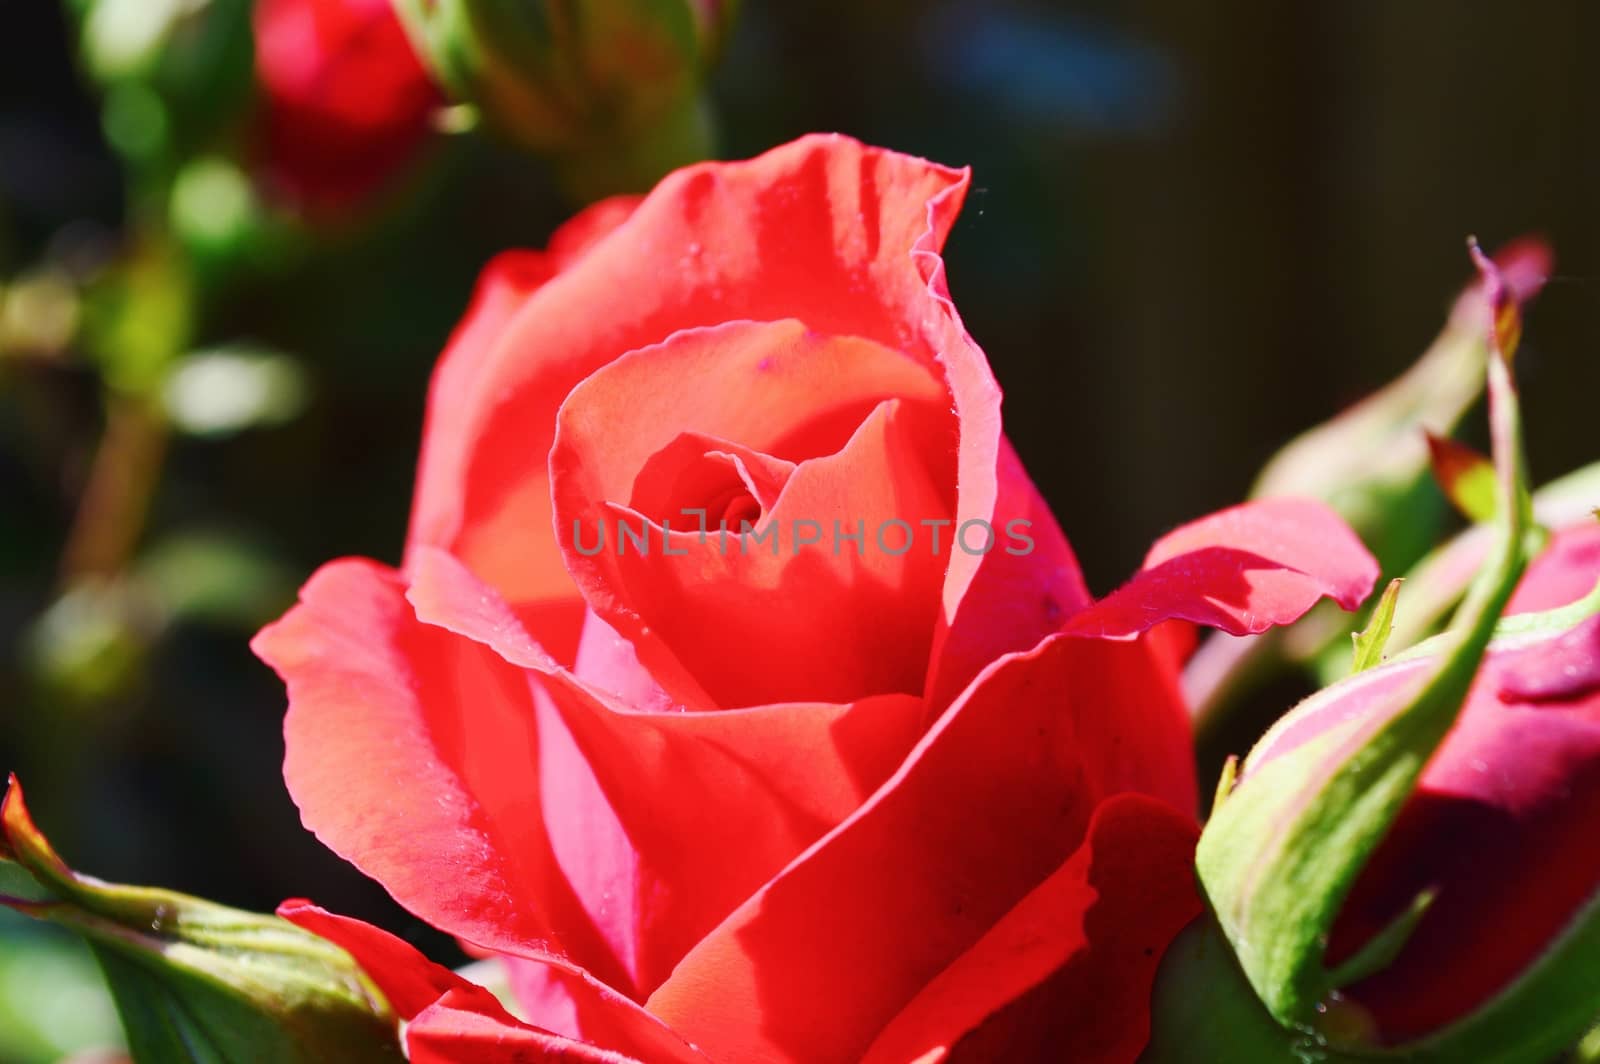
52	1002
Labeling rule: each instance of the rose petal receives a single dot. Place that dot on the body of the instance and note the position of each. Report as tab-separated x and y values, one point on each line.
852	620
447	1033
841	236
1564	668
536	578
1242	570
454	1020
1024	590
1565	571
503	286
690	473
779	388
409	980
1066	974
712	804
410	753
991	802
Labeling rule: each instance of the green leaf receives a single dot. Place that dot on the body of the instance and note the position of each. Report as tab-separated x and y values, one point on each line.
17	883
1371	640
53	1001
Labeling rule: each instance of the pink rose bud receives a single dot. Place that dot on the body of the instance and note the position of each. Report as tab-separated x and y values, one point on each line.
1498	830
1404	861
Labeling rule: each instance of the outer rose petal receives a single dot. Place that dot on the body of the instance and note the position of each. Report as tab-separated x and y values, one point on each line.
447	1033
453	1021
410	981
989	805
504	284
1242	570
410	752
1017	599
447	772
1066	975
550	604
711	804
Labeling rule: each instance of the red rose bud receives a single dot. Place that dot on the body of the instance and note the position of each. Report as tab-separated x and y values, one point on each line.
195	980
1402	860
608	87
347	103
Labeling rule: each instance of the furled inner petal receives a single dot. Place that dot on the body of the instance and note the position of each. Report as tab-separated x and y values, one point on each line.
828	576
834	449
698	481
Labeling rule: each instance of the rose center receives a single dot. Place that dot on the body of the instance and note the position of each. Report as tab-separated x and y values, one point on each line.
697	479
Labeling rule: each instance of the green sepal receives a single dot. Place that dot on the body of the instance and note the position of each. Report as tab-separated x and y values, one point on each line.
1371	640
196	981
1521	626
1466	477
1434	586
1381	950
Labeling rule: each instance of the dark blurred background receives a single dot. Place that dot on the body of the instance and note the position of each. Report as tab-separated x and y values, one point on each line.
1195	230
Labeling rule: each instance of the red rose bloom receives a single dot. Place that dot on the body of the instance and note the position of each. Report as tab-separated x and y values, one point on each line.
833	798
346	100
